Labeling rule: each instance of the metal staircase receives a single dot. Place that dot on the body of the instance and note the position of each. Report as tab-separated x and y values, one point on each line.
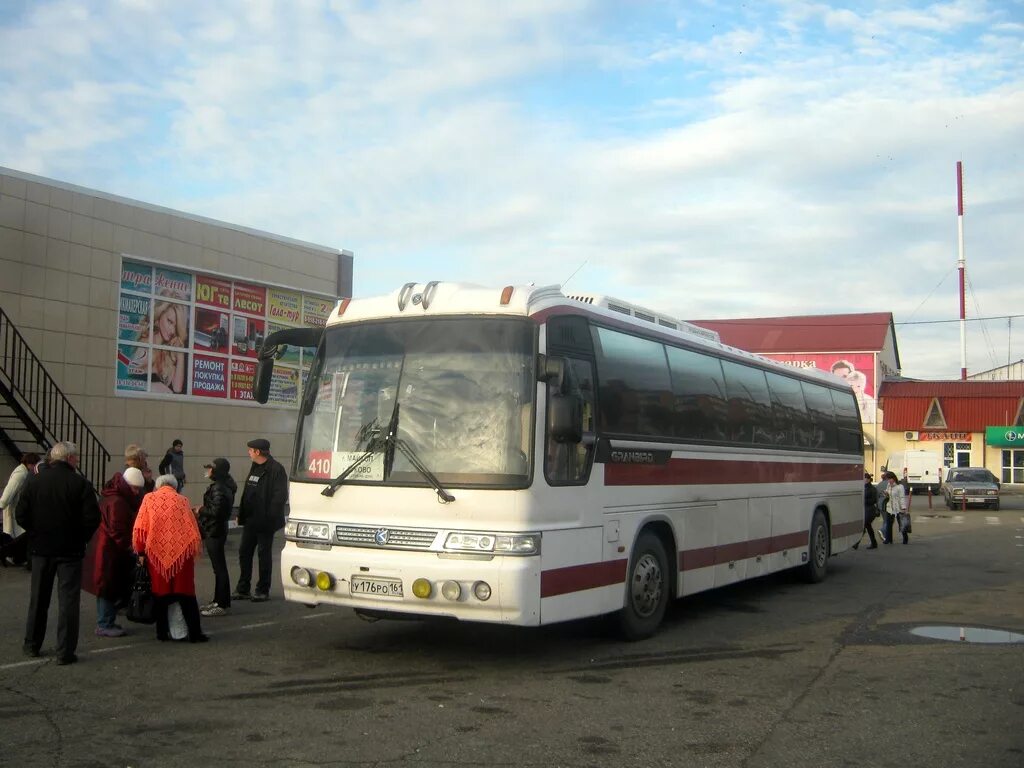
35	413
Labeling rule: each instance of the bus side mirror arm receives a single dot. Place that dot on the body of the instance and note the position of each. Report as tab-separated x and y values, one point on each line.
270	351
551	369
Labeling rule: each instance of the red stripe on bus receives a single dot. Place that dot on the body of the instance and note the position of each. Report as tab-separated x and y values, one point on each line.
711	472
576	578
691	559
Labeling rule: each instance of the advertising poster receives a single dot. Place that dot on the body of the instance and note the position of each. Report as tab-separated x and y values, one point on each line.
133	318
171	324
168	372
316	310
132	369
213	292
243	374
291	352
209	376
251	299
172	284
856	368
284	307
284	386
182	334
136	277
247	336
212	330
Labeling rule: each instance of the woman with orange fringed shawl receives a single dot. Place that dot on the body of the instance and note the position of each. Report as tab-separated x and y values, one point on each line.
167	534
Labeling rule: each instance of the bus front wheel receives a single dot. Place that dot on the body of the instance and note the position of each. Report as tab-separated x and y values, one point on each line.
647	588
817	551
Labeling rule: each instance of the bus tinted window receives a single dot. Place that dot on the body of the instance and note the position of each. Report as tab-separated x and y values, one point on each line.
701	410
792	426
634	390
823	422
750	406
848	421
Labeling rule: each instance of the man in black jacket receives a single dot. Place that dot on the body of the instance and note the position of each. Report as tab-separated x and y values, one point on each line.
262	513
58	508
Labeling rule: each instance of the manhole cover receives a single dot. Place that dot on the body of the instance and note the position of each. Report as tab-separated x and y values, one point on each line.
968	634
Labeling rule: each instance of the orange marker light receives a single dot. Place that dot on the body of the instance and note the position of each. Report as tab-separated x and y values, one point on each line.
342	306
506	295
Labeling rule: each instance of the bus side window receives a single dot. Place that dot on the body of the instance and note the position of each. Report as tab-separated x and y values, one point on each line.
565	463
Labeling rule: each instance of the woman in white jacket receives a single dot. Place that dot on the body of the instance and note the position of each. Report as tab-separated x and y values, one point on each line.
897	496
15	484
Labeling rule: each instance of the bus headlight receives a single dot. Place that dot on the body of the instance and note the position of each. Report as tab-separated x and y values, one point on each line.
499	543
482	591
451	590
295	530
301	576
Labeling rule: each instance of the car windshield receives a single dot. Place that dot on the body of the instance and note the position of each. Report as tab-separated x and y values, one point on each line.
973	476
464	391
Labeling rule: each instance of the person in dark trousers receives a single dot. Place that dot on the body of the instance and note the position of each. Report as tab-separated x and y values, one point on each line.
870	511
173	463
214	514
59	511
262	513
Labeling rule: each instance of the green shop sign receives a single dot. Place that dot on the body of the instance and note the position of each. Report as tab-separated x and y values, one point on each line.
1005	437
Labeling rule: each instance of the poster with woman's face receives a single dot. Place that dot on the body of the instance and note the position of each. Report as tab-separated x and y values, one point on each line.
170	324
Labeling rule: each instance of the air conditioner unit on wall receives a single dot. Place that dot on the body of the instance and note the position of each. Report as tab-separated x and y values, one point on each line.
911	436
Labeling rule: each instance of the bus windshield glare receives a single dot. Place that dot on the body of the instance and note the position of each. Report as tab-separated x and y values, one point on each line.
458	393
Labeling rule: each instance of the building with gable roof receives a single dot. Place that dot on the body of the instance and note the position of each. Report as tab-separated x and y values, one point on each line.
974	423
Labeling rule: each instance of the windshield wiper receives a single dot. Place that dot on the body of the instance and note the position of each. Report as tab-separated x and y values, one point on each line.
409	453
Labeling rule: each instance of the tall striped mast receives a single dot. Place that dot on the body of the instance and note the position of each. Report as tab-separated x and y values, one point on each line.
961	264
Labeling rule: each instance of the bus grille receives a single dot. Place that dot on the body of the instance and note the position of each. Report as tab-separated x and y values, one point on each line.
382	537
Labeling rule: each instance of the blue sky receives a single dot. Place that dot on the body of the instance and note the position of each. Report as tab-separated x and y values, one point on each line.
706	159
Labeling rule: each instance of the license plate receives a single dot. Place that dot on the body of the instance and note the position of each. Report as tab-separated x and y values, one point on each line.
376	586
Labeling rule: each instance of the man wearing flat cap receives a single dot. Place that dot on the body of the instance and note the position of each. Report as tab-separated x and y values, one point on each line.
261	512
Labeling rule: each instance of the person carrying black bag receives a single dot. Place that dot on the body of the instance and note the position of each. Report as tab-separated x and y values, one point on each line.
214	515
870	511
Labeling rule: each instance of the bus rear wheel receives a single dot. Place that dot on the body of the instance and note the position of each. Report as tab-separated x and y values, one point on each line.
817	552
647	588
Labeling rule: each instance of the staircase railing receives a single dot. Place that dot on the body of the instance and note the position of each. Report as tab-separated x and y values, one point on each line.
39	397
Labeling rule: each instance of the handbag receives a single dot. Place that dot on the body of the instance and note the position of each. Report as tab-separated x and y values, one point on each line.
141	604
905	522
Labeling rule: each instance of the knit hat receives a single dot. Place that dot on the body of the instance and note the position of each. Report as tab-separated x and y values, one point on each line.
133	476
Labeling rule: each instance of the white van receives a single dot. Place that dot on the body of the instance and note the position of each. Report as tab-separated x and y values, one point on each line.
921	469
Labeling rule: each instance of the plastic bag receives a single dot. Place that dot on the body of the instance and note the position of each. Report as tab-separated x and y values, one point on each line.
176	626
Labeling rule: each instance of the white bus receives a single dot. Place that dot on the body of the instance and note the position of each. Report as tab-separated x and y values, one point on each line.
523	457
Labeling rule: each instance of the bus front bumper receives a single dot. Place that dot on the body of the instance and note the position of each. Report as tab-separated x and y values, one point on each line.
500	589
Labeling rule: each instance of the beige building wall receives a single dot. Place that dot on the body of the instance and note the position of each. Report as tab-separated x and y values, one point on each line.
60	260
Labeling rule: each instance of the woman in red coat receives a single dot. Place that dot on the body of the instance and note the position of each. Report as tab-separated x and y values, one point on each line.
112	556
167	535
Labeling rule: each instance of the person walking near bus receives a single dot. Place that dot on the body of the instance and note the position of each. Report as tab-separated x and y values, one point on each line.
166	536
896	495
113	560
213	515
58	509
870	511
262	513
173	463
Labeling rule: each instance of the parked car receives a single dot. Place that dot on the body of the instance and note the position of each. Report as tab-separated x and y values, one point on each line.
976	485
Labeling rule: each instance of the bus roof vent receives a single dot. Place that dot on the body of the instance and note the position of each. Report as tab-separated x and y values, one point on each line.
641	313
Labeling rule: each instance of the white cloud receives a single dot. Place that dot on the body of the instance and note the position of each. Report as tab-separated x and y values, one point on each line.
516	142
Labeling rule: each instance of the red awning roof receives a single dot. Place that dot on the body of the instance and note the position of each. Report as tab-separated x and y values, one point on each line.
968	406
862	332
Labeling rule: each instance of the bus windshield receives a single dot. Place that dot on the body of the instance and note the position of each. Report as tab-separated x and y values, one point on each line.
458	392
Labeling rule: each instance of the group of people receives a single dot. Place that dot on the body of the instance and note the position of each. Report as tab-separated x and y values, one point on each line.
890	501
79	541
